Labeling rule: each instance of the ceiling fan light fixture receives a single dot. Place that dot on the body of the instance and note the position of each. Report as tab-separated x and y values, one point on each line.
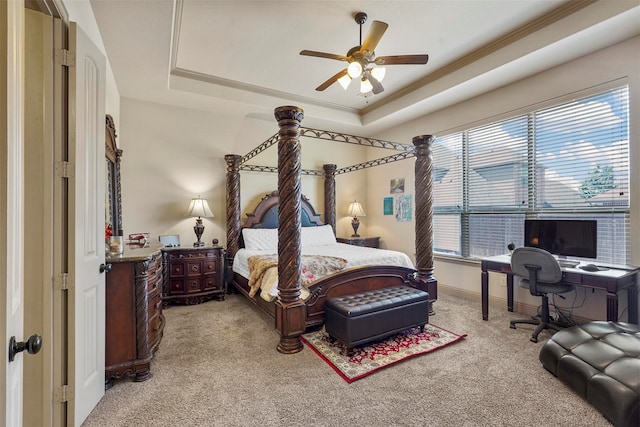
365	86
378	73
354	69
344	81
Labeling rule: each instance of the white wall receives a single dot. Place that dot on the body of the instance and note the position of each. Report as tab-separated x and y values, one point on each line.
619	63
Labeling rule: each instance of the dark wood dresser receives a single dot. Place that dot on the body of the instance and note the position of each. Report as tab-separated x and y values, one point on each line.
134	320
193	275
369	242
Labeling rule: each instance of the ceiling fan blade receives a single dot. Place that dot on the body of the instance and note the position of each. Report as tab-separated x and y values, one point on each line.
324	55
402	59
332	80
375	84
376	30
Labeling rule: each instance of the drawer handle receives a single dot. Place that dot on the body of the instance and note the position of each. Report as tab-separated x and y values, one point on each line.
194	268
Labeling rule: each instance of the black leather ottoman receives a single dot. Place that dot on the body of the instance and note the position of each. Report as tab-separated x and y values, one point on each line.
368	316
601	362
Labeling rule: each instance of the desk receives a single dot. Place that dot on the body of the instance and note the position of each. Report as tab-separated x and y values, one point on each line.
612	280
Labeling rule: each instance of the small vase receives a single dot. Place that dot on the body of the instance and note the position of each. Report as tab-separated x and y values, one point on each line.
116	245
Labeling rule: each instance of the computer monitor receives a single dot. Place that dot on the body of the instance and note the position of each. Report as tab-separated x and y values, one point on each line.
566	237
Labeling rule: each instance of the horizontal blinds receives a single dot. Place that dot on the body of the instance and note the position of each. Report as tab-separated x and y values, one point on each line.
568	161
447	233
447	193
498	165
490	234
582	154
447	173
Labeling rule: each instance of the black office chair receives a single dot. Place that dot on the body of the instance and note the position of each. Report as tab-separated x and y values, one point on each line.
541	273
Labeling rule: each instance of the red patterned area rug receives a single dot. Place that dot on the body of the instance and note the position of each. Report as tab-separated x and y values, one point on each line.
372	357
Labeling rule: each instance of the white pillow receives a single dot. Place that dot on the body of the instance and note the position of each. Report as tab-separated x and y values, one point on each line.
260	239
318	236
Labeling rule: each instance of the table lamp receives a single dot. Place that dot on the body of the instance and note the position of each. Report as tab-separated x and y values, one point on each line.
355	210
199	208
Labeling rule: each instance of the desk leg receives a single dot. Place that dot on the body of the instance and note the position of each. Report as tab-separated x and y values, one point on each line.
612	307
485	295
510	292
632	298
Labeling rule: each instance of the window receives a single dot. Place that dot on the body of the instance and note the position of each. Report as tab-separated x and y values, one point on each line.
567	161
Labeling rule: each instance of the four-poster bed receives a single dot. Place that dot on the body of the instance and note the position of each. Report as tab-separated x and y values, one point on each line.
291	210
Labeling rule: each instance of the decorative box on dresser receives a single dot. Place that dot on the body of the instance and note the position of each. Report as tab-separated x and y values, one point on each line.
193	275
134	320
369	242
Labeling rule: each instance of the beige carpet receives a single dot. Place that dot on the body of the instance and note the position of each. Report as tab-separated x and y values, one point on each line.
218	366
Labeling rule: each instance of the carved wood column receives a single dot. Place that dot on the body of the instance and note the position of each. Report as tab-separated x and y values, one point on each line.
290	310
233	209
330	195
424	214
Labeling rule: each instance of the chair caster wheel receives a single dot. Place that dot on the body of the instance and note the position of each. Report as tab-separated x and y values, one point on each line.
533	339
512	326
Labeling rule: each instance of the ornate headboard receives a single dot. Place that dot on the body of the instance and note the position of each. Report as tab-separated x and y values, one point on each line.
266	213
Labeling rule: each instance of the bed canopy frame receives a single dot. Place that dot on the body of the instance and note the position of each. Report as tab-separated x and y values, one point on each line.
292	315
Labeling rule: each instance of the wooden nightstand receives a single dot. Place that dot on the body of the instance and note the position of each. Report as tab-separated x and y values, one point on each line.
369	242
193	275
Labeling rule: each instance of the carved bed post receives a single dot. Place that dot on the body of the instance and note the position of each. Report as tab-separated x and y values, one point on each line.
424	216
290	310
330	195
233	209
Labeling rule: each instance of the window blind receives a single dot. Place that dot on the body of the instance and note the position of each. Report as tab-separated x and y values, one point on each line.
566	161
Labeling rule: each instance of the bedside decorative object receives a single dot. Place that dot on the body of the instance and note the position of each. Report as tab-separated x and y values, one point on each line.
199	208
355	210
116	245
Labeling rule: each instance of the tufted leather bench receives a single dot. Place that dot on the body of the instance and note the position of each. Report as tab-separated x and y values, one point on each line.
601	362
371	315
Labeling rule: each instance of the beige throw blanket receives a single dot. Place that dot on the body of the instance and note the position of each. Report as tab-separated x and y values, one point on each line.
263	270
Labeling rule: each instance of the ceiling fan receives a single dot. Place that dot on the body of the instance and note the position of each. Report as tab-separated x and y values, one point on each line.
363	63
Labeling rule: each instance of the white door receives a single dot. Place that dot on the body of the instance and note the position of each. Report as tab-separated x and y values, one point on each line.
11	205
87	215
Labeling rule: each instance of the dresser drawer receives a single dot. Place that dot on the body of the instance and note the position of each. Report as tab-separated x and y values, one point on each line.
193	284
212	282
194	268
176	287
177	269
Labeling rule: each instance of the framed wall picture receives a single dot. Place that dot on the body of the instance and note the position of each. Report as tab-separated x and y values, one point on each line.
388	206
403	208
397	186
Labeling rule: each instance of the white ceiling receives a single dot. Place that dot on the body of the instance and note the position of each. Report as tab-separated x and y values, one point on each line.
243	56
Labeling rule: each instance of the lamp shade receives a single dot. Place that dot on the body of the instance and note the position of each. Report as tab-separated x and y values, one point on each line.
378	73
200	208
365	86
355	209
344	81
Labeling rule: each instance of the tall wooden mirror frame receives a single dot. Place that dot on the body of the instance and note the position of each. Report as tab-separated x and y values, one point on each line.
113	202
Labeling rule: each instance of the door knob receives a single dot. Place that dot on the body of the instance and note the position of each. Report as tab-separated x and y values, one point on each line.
32	345
105	267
